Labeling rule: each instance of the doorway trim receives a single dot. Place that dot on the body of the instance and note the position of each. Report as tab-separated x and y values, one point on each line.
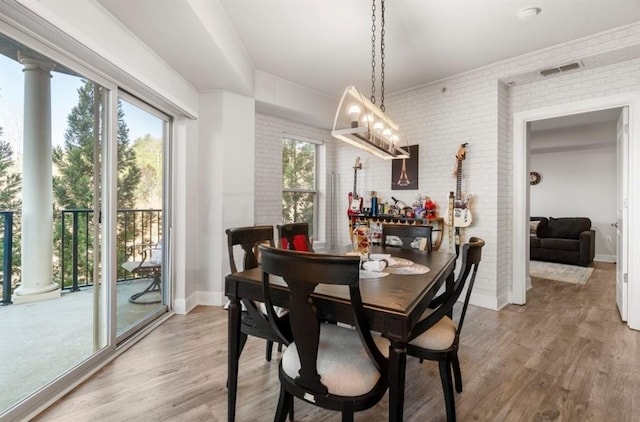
520	198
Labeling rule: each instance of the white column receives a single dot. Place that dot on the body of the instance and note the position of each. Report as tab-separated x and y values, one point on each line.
37	186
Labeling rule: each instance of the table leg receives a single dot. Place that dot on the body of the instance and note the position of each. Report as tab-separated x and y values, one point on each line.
397	367
232	357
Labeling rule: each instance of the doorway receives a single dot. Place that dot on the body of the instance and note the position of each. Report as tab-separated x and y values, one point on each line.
522	126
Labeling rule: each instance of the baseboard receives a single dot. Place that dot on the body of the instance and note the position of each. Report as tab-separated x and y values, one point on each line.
605	258
484	300
184	306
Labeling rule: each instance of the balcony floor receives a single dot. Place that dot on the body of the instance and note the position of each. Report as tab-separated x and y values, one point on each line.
42	340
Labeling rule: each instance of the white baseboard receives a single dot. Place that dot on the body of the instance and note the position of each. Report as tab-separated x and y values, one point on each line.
604	258
484	300
184	306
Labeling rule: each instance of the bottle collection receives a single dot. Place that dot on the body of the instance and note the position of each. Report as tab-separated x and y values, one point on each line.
422	207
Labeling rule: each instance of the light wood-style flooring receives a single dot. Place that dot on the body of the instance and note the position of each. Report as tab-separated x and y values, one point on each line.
565	356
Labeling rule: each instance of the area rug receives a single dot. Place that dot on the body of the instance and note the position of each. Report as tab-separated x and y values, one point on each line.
560	272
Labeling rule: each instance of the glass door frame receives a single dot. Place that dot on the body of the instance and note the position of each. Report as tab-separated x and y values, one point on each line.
33	404
166	284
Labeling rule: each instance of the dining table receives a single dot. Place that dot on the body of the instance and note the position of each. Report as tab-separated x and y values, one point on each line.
394	302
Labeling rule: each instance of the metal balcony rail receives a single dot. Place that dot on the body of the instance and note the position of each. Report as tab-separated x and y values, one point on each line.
73	260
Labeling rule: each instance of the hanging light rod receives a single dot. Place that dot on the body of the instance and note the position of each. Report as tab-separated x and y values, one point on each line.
360	123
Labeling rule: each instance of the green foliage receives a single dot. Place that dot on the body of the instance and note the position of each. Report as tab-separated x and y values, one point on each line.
10	186
149	155
298	180
10	181
74	173
74	161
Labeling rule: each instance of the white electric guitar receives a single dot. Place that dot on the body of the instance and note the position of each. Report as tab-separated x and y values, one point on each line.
461	212
355	201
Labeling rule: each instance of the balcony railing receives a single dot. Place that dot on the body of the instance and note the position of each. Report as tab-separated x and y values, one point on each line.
73	261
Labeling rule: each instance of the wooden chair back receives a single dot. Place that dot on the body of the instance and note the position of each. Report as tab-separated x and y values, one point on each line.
443	305
294	236
303	272
408	234
248	238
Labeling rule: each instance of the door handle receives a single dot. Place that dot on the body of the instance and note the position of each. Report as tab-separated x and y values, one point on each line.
614	225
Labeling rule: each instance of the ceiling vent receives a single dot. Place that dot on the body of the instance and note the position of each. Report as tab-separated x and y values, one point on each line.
563	68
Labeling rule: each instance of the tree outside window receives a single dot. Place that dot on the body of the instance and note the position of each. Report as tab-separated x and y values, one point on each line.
298	182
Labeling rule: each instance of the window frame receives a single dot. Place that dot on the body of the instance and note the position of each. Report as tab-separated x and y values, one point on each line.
316	143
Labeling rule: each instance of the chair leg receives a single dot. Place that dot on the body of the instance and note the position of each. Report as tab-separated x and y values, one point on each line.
243	341
347	414
291	410
447	387
268	351
457	375
285	405
279	347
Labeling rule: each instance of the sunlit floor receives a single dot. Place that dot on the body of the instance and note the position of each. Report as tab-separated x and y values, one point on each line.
41	340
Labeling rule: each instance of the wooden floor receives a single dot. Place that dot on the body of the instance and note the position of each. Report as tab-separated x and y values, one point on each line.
565	356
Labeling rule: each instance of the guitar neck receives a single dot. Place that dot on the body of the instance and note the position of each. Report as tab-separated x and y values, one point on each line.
459	181
355	178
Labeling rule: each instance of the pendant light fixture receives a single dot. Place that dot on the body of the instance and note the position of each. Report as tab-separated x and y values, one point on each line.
359	121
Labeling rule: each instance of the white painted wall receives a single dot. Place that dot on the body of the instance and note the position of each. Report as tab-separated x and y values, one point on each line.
578	168
225	184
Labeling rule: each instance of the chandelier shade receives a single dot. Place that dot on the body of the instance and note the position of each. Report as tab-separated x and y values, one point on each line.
362	124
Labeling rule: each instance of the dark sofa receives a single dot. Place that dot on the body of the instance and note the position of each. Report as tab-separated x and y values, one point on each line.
564	240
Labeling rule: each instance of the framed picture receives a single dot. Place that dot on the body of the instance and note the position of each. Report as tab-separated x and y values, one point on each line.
404	172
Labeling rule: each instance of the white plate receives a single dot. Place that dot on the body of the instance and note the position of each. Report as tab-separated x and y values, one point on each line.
399	262
379	256
408	270
372	274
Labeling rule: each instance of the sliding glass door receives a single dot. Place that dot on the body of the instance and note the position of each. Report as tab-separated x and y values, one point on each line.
83	223
51	144
141	240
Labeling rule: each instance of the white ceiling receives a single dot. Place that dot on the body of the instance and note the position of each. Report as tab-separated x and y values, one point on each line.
325	45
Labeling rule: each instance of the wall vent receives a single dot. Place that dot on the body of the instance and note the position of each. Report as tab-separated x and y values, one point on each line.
563	68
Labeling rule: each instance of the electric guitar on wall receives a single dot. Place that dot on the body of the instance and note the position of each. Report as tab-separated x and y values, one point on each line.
461	213
355	201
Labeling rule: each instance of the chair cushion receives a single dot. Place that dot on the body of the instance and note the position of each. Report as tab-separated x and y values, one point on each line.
439	337
299	243
343	364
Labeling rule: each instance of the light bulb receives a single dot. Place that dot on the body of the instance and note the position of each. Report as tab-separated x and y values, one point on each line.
387	133
354	114
378	126
367	118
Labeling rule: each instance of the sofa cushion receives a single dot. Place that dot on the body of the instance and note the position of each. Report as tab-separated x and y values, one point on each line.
560	244
533	228
567	228
534	242
542	225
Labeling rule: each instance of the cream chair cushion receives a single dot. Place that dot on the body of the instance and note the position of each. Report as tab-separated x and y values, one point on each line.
438	337
343	364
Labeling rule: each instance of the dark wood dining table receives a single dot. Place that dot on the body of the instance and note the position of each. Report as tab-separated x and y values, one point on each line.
393	305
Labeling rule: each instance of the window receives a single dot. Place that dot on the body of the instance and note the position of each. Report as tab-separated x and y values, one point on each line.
299	182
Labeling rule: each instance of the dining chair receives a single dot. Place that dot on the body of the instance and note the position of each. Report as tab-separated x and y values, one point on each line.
411	236
254	320
294	236
330	366
437	337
